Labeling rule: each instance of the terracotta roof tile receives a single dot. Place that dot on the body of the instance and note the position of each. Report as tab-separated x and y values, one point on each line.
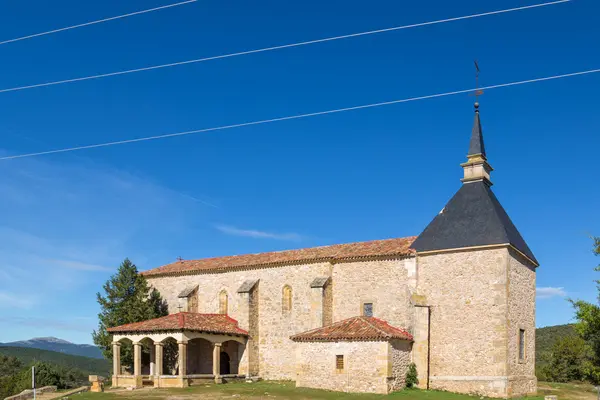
210	323
387	247
354	329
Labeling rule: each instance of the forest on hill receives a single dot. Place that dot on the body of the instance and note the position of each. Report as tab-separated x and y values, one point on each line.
52	369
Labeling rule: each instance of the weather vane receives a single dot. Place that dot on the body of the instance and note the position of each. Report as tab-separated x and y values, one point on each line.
477	92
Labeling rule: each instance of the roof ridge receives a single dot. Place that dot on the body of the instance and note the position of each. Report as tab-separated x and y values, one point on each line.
368	320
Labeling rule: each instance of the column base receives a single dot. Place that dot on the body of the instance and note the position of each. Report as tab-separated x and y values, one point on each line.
218	379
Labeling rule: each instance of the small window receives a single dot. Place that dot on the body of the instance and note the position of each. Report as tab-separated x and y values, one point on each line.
339	362
223	300
286	299
521	344
367	310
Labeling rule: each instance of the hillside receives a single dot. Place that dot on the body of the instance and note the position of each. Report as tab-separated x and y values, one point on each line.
545	338
62	346
90	366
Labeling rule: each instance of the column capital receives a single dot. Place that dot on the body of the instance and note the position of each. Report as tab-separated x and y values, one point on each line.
217	344
182	342
116	344
137	343
161	344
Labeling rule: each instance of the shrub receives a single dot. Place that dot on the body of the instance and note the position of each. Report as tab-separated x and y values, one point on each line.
412	379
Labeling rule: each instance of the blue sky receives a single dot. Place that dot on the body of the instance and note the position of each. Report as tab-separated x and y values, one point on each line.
67	220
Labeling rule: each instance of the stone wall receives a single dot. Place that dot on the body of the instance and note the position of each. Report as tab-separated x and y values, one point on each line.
521	315
382	282
271	353
275	351
400	359
467	292
365	366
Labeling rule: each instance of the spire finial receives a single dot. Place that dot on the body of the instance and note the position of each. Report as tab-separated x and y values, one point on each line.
477	168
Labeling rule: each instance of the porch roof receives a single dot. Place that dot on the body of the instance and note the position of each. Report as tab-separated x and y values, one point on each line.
354	329
185	321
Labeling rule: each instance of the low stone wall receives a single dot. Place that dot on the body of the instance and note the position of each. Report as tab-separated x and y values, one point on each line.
28	394
366	366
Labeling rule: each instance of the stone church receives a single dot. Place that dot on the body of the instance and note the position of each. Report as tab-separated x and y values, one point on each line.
458	301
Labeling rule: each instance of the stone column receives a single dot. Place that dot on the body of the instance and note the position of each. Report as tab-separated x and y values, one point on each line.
182	362
217	362
116	363
137	364
421	345
158	361
152	360
137	359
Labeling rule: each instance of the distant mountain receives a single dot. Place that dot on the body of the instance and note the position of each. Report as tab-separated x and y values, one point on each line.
88	365
59	345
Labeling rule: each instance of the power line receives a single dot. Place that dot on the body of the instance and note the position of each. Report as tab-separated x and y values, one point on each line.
95	22
285	46
299	116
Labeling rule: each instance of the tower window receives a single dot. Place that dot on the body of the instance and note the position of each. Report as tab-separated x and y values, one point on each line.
521	344
367	309
339	362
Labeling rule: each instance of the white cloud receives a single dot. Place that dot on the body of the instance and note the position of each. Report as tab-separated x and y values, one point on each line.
54	323
11	300
549	292
79	266
231	230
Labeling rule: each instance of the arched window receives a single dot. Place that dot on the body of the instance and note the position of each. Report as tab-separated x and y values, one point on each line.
286	299
223	300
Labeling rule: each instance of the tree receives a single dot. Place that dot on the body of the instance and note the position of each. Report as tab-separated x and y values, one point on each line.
569	360
588	325
128	298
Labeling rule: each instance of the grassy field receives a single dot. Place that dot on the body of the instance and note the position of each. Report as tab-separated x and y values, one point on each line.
287	391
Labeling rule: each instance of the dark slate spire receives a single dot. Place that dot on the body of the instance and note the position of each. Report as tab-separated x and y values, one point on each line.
476	145
473	217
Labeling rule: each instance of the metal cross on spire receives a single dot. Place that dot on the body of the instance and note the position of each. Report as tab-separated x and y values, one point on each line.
477	92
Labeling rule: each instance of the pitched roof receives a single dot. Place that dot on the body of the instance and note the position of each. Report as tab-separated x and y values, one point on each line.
210	323
476	145
354	329
338	252
473	217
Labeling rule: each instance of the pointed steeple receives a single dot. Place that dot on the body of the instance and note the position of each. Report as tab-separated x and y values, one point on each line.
477	168
473	217
476	146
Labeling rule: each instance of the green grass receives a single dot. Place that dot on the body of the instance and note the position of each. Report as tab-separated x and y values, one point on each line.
90	366
266	390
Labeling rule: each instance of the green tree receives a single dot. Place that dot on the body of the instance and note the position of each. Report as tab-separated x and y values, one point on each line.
128	298
10	367
588	326
569	360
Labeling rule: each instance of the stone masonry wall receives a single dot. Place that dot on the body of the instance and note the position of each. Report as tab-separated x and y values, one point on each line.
400	359
521	315
365	366
383	283
276	353
467	292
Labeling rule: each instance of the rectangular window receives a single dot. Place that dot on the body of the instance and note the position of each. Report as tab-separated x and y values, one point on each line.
339	362
521	344
367	309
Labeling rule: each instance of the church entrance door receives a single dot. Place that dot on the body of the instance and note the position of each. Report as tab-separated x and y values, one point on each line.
225	367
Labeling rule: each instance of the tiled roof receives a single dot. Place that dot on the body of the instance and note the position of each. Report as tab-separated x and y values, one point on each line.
210	323
338	252
354	329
